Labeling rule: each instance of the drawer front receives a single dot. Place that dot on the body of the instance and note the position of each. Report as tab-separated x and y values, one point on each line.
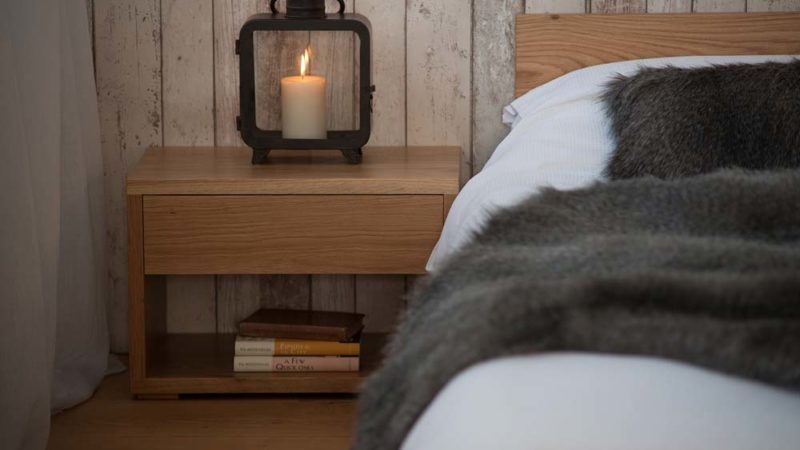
285	234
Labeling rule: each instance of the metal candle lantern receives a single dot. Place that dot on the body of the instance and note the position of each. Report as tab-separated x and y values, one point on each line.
303	15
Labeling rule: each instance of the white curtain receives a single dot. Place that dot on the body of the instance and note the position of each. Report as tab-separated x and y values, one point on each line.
53	330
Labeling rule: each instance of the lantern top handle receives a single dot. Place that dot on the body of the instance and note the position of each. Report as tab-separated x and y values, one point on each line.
304	9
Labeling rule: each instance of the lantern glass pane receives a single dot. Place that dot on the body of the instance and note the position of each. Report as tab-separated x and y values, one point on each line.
334	55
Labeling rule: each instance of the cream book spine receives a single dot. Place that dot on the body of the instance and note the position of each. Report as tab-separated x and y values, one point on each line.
295	364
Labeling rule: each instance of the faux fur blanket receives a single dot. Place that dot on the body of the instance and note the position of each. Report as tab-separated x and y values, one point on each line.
704	270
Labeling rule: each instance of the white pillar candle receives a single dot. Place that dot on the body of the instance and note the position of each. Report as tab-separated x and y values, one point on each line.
303	110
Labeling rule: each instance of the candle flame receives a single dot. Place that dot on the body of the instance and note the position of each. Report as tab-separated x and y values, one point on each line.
305	60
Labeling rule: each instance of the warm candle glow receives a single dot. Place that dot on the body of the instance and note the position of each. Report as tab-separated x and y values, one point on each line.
304	61
303	109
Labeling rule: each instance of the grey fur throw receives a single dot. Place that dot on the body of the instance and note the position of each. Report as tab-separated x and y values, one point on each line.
702	269
672	122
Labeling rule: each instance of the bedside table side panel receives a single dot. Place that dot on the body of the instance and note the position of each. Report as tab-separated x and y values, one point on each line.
147	302
136	291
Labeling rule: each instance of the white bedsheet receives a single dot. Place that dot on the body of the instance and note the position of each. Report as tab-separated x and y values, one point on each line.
565	401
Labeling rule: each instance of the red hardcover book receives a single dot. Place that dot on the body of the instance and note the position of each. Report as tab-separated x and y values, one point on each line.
302	324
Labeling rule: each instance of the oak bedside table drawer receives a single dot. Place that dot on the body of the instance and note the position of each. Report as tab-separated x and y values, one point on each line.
251	234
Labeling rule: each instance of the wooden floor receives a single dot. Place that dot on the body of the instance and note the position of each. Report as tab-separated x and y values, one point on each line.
112	420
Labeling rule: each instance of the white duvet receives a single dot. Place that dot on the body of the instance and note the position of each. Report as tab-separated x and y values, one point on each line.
580	401
561	401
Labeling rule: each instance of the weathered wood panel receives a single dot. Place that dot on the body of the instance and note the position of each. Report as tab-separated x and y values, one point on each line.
128	73
773	5
229	15
618	6
277	54
236	296
492	81
90	16
493	63
380	298
333	293
286	291
334	59
438	71
555	6
188	72
718	6
191	304
377	296
388	21
188	107
669	6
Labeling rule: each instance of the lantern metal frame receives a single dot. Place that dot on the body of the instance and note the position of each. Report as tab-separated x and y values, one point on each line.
262	141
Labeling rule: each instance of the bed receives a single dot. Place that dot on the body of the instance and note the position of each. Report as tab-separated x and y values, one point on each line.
573	399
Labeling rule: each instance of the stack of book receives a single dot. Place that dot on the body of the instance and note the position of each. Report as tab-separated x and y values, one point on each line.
279	340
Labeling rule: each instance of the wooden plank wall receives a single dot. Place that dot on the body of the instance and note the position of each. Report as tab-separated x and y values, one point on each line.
166	74
127	41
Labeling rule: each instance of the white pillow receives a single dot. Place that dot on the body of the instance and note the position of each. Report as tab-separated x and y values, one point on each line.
559	138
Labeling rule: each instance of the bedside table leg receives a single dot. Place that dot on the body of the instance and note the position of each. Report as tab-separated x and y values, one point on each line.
260	155
352	156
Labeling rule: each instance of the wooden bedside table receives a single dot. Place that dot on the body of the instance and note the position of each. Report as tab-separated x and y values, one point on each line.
207	210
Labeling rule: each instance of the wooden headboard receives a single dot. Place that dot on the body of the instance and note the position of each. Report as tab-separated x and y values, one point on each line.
550	45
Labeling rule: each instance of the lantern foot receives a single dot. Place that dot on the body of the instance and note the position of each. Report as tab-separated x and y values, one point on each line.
352	156
260	155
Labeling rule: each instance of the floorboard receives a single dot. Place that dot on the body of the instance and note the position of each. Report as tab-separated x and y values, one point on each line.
112	420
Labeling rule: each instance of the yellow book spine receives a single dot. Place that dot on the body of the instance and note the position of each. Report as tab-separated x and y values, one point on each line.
294	347
322	348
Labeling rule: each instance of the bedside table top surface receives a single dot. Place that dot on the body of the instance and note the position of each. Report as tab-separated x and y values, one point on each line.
227	170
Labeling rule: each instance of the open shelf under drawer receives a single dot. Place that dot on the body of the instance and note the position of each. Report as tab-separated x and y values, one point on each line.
203	363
